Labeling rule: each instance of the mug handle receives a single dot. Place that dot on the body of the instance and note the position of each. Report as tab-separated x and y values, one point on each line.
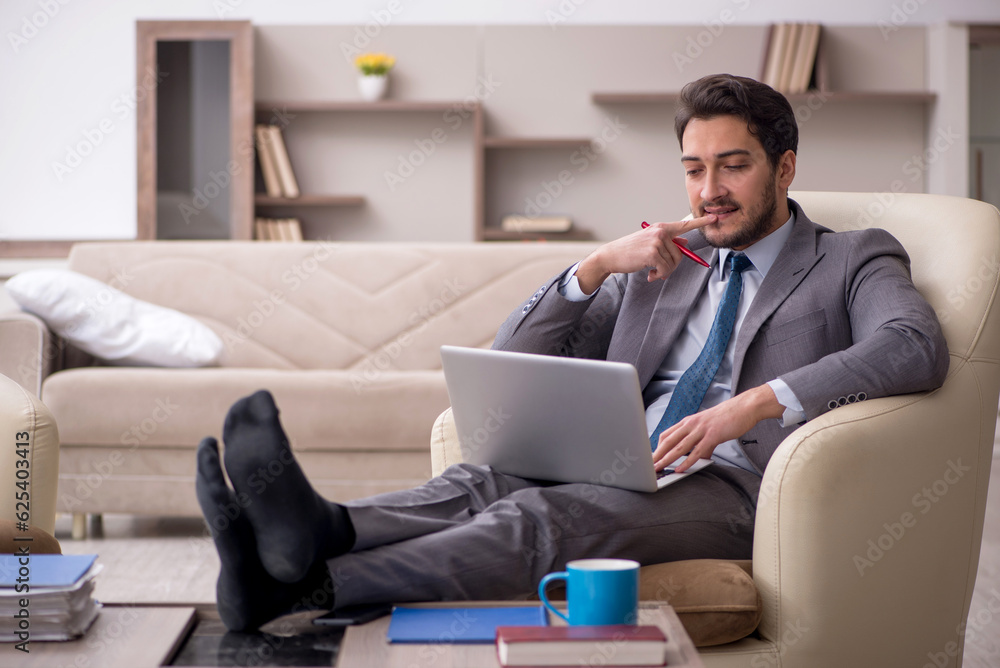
561	575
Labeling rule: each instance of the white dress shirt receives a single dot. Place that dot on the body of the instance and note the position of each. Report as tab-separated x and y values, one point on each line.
692	339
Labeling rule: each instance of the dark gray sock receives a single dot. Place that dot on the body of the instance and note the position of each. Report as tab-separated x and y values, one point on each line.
247	596
294	526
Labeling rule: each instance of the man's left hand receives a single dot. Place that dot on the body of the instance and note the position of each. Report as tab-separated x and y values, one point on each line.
698	435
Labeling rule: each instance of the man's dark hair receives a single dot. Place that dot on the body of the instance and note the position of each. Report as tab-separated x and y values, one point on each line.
768	115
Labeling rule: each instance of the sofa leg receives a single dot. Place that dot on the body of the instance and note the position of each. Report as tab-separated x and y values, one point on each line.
97	525
79	526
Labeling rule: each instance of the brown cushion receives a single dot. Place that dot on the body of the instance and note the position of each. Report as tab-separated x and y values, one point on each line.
715	599
41	542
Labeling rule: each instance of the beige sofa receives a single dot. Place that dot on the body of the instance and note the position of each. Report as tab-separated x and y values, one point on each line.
870	517
346	336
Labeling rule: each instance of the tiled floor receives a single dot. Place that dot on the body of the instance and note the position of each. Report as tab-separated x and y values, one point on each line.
172	560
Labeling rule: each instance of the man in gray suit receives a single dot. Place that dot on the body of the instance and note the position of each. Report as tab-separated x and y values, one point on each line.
790	321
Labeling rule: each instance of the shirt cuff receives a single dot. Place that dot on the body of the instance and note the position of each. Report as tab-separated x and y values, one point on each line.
569	286
794	413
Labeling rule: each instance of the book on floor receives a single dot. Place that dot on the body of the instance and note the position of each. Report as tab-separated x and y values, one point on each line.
617	645
48	598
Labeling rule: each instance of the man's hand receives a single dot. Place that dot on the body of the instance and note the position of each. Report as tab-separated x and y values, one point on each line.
652	247
698	435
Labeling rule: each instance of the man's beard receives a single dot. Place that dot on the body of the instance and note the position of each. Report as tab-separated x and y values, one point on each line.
758	219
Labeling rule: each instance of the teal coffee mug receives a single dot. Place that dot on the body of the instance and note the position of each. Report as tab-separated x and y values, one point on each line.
598	591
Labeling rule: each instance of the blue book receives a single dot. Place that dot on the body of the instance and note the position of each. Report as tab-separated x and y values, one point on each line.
459	625
45	570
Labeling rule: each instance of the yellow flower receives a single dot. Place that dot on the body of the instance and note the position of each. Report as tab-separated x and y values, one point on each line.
374	63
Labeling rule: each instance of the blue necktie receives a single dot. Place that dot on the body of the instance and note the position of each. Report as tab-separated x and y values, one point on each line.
694	383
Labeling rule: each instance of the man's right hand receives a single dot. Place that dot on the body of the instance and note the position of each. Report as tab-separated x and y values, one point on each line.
652	247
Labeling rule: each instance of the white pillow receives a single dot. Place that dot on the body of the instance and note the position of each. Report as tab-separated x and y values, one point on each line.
110	324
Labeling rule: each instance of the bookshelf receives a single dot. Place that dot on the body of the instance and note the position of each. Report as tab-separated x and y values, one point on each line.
492	233
535	126
261	200
535	142
267	110
327	106
671	97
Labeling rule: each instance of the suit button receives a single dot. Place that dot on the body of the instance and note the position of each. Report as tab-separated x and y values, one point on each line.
851	398
832	404
842	401
862	396
525	310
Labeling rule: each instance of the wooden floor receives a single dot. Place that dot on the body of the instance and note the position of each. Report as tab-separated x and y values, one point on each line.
157	560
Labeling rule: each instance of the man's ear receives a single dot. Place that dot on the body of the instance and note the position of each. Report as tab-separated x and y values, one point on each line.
786	169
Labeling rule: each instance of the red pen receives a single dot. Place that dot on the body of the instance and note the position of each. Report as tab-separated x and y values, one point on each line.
684	250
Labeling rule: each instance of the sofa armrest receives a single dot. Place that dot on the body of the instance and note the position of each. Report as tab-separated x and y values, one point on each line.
869	524
30	352
445	448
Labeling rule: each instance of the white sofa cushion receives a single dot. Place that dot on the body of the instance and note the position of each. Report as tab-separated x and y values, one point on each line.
112	325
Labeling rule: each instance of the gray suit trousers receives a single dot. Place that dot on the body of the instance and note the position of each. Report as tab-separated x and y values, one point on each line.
473	534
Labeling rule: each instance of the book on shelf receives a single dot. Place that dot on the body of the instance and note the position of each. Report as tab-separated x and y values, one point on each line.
775	51
805	58
293	229
277	229
791	56
518	223
788	57
289	186
617	645
48	598
265	156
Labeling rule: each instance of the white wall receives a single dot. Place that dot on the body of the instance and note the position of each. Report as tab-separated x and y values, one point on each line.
67	75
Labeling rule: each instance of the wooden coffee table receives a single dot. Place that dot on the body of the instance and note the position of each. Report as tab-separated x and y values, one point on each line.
122	635
366	645
140	636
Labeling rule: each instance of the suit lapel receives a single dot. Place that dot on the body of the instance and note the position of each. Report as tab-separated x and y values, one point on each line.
662	310
792	265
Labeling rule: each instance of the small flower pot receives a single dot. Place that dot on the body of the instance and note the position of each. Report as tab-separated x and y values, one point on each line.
372	86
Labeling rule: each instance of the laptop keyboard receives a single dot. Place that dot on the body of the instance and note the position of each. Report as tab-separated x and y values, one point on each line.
665	472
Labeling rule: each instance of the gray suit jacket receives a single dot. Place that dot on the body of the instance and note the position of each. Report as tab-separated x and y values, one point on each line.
837	318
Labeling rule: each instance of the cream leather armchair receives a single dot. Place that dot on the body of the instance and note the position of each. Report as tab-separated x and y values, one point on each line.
870	517
29	457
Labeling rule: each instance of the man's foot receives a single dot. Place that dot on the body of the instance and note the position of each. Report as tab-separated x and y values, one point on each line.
247	596
294	526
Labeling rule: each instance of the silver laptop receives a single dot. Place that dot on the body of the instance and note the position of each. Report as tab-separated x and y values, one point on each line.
553	418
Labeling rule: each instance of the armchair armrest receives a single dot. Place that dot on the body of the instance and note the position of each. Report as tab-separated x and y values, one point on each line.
30	352
29	460
445	448
869	524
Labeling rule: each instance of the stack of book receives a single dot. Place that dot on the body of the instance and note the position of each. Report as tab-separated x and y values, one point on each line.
47	596
276	168
536	224
277	229
791	57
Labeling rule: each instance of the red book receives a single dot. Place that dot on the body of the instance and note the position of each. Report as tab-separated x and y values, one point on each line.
581	645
